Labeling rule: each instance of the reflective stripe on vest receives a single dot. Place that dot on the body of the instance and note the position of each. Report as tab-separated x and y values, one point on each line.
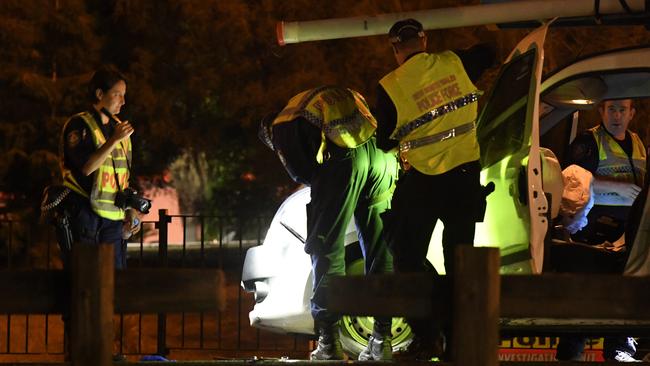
102	196
433	97
439	137
407	128
614	163
341	114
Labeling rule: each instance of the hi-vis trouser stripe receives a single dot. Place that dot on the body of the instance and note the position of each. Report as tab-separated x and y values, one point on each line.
435	113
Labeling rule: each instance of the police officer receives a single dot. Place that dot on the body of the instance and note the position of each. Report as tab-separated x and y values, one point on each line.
95	164
324	138
426	111
616	157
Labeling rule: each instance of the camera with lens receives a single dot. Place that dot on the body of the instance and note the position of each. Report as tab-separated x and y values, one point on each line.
129	198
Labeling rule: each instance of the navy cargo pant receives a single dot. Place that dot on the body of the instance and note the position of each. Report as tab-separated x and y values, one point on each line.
456	198
88	228
351	184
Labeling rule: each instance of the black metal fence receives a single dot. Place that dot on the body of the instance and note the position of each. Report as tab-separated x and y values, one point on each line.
172	241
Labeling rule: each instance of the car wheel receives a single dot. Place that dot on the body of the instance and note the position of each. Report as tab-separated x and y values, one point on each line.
356	330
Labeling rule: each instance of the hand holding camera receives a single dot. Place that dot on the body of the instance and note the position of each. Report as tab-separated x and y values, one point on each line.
129	198
131	224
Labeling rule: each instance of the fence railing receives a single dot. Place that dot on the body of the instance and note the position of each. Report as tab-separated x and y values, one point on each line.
476	303
176	241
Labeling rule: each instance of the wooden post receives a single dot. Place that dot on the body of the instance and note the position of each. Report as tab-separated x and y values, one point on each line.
476	285
91	317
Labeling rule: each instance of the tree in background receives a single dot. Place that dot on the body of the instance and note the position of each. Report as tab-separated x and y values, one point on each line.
201	76
45	48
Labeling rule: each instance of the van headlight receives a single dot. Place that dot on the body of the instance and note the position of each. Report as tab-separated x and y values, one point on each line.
261	291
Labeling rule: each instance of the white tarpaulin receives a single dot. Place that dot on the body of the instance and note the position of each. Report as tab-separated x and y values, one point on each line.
577	198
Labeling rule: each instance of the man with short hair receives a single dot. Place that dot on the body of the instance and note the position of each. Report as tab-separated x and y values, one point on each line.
616	157
427	110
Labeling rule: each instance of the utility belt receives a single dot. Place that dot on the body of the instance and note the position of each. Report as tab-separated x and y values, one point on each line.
56	207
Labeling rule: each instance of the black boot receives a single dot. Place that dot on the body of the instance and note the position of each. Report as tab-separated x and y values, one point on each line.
329	343
423	349
379	346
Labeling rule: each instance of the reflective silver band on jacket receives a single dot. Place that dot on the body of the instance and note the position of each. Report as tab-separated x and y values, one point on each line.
442	136
355	119
435	113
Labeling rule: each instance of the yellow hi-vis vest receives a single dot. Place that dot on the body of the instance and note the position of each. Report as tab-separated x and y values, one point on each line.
614	163
341	114
102	196
436	112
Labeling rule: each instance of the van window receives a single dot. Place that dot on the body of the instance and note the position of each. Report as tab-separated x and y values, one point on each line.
502	127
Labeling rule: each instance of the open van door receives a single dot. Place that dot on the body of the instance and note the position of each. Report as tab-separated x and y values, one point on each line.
508	135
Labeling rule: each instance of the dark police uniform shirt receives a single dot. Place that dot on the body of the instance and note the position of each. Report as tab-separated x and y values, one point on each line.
79	145
475	61
583	151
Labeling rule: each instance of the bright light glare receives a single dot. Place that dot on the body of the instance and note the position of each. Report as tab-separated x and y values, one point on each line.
582	101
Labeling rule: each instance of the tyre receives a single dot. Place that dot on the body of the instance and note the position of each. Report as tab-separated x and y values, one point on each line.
356	330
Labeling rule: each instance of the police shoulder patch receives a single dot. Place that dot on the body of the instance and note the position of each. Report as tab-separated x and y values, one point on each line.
579	151
73	138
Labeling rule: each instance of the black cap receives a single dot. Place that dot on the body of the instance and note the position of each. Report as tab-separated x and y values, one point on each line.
404	30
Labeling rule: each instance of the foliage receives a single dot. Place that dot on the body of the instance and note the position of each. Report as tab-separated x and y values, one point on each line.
220	183
201	74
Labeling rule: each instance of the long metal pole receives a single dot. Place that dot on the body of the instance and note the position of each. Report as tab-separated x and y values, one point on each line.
462	16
